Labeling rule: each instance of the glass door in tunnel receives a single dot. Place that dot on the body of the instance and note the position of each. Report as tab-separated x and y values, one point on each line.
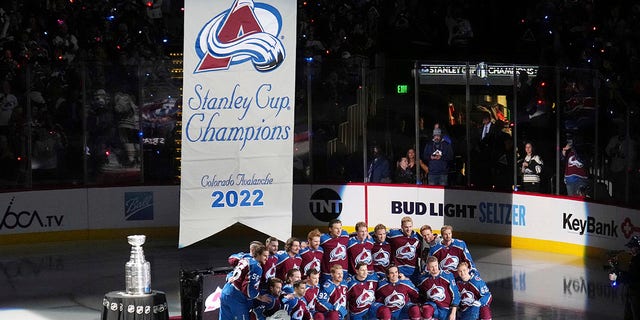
474	108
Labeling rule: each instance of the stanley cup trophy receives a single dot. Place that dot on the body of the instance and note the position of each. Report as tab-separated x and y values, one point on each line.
137	269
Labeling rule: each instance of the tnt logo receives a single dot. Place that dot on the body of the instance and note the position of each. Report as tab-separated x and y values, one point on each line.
138	205
325	204
248	31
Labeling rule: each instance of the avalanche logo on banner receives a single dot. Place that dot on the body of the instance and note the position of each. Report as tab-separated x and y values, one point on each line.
236	36
237	117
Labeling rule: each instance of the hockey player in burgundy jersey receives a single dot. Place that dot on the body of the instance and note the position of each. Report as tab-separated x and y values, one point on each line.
312	254
296	305
439	289
405	248
289	258
243	286
311	295
334	245
332	299
450	251
361	294
381	251
475	297
261	310
269	268
359	249
398	297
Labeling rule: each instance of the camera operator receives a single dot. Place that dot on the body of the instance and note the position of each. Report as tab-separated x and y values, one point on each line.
631	278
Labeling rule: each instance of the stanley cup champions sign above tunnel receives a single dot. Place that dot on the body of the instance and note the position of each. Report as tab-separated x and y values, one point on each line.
238	115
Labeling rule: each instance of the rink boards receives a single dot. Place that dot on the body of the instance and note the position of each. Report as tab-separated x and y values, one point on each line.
548	223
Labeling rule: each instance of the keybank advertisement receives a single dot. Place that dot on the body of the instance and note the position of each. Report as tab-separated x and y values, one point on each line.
543	218
238	116
515	215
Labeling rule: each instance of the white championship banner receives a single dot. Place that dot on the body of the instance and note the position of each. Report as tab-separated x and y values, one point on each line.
238	117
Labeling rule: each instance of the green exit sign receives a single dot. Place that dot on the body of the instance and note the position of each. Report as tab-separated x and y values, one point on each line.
402	88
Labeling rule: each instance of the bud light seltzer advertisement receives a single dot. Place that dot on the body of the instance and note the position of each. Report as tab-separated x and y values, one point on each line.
238	115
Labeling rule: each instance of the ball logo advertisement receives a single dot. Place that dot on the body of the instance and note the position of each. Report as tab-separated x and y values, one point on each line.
238	115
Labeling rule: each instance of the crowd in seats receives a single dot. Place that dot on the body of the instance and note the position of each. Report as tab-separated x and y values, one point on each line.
59	57
53	52
593	37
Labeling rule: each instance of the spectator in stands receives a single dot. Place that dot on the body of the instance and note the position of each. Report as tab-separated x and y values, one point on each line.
404	174
621	150
8	163
128	129
460	31
575	170
412	162
8	102
531	169
65	44
379	170
437	155
486	152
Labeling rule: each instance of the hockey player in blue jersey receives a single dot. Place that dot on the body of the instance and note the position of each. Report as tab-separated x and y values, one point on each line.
293	275
261	310
235	258
450	252
296	305
243	286
475	297
332	299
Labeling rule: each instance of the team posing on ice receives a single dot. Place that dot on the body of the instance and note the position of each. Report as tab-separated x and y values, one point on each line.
388	274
